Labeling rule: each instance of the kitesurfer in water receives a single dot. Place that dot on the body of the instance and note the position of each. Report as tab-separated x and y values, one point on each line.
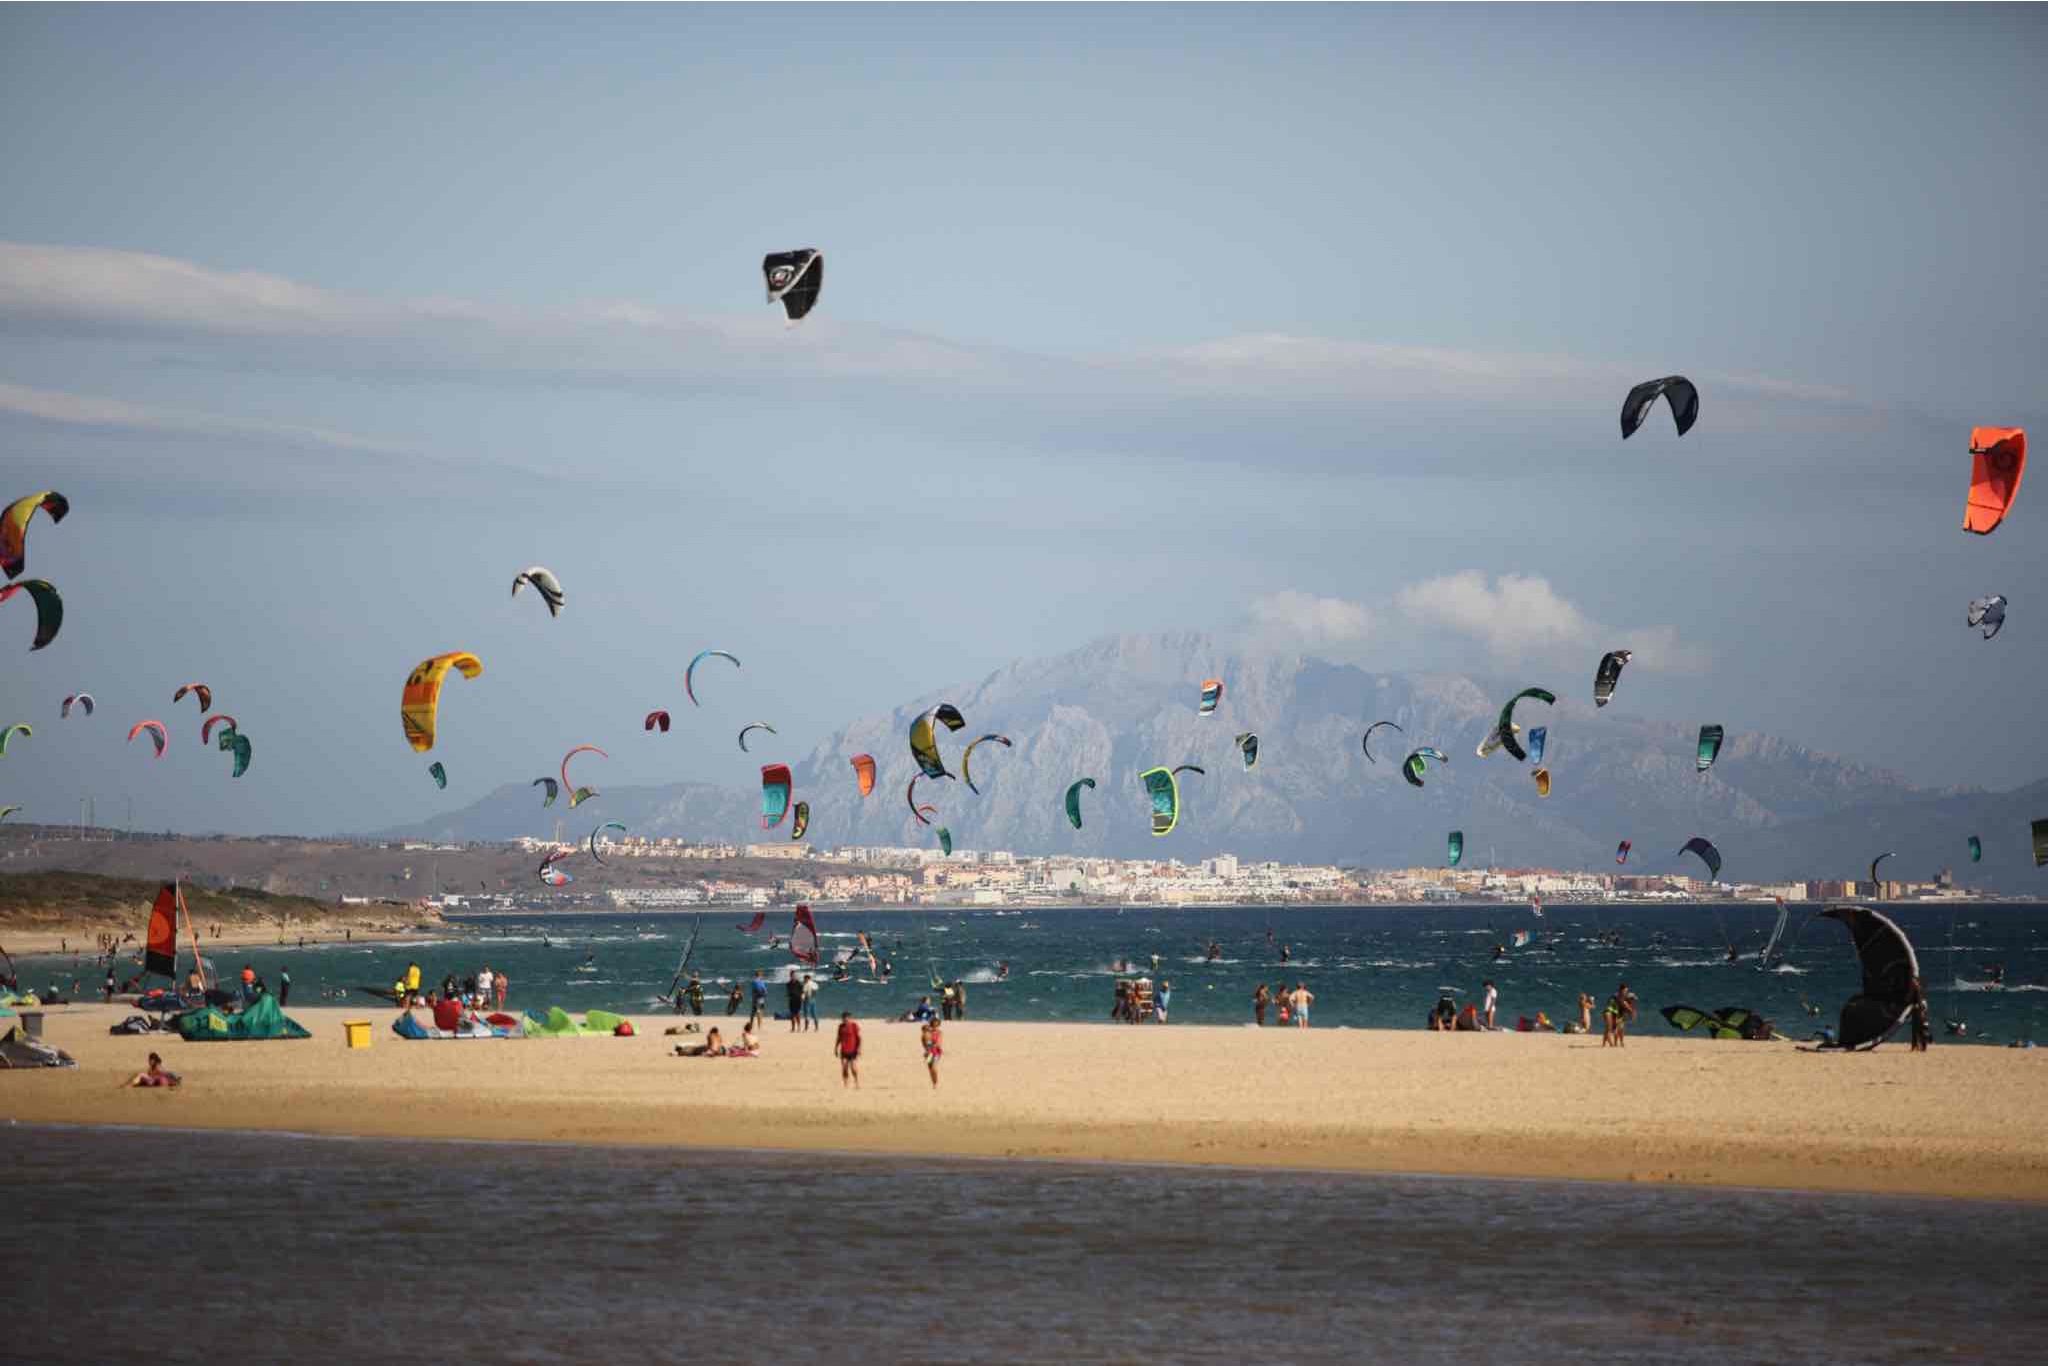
1286	955
1996	973
1003	970
1215	951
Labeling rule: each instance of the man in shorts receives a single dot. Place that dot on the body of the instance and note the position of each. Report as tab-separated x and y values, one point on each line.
847	1049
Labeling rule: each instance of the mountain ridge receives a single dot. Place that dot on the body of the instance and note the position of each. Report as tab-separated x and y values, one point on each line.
1119	704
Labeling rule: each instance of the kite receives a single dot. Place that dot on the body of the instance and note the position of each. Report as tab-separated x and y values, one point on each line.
157	734
1248	745
753	725
439	774
1988	613
1976	850
198	690
14	527
608	825
1621	851
553	791
800	820
232	739
775	784
794	279
419	704
864	772
1165	794
1890	969
217	719
690	673
1367	741
967	759
910	800
1676	390
1873	872
1413	767
803	936
945	841
924	740
1212	693
543	582
656	719
1074	799
83	699
924	811
1507	727
1189	768
2040	829
6	811
1710	746
551	875
1729	1022
18	728
1608	675
1537	738
49	608
760	919
1491	742
1454	849
1708	854
1998	457
1542	777
579	795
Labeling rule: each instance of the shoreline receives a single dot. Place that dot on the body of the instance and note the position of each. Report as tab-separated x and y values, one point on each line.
1959	1122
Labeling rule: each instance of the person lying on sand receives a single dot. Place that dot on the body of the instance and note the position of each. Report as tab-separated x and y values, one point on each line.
155	1075
712	1047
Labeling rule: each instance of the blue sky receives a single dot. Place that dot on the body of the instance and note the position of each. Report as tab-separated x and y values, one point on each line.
1303	324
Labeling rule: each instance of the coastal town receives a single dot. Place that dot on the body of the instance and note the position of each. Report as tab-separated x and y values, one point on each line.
696	875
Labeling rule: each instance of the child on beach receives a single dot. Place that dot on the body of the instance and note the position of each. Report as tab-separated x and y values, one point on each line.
155	1075
934	1049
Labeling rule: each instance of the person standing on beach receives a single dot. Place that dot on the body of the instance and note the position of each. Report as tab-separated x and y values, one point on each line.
109	987
1260	1000
846	1047
1916	1001
1585	1013
412	984
1621	1008
1162	1000
1492	1000
1303	999
810	1003
485	980
732	1002
695	992
794	993
500	984
758	998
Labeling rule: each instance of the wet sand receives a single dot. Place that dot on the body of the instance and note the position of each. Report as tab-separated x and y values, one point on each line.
1960	1121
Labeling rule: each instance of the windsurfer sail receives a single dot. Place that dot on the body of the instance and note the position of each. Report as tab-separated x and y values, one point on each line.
1766	960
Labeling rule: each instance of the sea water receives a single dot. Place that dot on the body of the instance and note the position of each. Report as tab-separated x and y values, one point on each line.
1369	967
200	1247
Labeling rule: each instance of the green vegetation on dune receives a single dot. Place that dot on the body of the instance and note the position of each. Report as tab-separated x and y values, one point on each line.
51	899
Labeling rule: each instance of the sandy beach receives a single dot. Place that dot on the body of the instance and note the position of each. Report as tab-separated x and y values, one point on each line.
1959	1122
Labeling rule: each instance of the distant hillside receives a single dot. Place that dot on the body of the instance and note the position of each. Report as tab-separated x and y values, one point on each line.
1122	704
83	901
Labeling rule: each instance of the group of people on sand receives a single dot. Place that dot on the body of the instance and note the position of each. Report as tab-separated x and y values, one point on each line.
1138	1002
1289	1004
478	991
715	1046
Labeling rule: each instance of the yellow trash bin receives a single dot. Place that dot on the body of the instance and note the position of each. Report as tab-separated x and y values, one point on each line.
358	1033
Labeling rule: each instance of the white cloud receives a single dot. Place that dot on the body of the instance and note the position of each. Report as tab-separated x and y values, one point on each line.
628	342
85	410
1518	618
1310	619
